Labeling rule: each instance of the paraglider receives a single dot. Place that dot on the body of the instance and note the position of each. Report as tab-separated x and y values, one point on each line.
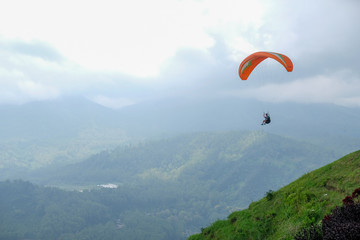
250	62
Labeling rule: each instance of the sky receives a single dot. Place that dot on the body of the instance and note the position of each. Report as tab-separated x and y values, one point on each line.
118	53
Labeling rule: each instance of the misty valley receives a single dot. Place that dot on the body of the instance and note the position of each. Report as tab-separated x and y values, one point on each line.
83	171
159	189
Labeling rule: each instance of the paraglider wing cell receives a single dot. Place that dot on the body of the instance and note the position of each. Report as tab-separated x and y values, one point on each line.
250	62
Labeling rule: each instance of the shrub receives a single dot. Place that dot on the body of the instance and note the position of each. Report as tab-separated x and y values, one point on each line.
313	232
342	224
269	195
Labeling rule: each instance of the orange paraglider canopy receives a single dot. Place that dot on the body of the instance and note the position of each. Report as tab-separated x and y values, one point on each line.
250	62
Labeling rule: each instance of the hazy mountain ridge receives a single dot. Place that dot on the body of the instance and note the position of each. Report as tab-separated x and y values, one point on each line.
241	165
55	132
70	129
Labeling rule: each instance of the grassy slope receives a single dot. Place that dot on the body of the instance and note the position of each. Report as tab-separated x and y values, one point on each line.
299	204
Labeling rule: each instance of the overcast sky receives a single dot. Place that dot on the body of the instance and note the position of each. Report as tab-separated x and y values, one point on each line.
118	52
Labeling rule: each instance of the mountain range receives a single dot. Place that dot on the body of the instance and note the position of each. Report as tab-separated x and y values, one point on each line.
69	130
224	169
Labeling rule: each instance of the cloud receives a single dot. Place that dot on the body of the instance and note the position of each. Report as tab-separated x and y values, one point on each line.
115	103
32	71
340	89
36	91
36	49
120	52
319	38
17	88
131	37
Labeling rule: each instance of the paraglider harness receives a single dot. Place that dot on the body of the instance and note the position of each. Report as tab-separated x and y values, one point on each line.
267	119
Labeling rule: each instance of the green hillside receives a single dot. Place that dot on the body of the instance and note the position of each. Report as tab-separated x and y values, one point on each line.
281	214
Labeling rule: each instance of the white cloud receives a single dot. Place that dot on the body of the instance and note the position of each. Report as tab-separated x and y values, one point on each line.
132	37
148	49
37	91
112	102
339	88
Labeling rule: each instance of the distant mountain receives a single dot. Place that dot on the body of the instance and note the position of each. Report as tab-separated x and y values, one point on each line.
70	129
238	166
281	214
68	116
51	119
38	134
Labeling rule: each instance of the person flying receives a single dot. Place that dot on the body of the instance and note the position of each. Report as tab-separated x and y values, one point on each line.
267	119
